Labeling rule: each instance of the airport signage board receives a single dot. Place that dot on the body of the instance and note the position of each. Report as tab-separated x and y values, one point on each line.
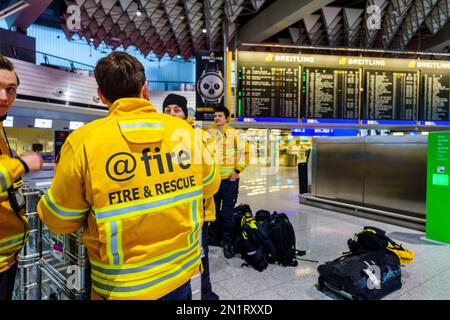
438	187
324	132
336	88
210	84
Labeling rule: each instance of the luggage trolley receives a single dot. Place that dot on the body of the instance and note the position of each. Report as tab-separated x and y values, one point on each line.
67	266
50	266
29	280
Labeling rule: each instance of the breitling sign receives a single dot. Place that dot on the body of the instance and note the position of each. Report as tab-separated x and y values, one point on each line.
339	61
284	58
361	62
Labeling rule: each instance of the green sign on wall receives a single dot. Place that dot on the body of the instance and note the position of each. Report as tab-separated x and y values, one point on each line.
438	188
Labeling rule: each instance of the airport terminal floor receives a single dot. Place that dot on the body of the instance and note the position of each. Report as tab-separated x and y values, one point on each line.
323	234
335	113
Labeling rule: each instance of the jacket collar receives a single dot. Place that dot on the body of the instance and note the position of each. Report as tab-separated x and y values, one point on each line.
127	105
191	121
225	127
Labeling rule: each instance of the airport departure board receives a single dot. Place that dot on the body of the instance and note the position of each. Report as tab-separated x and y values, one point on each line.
329	93
391	95
435	97
268	91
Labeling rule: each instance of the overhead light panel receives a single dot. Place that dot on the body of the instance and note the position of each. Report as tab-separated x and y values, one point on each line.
74	125
8	122
42	123
138	11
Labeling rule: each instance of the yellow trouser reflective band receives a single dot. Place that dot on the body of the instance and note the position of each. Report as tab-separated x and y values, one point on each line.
141	125
60	211
5	181
210	177
125	272
133	288
10	242
114	246
145	206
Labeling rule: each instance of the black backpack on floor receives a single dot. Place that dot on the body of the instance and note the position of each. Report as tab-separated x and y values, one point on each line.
282	235
369	239
215	234
253	245
369	275
238	213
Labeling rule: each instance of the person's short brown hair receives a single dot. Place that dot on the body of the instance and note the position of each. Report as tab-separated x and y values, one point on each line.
119	75
225	111
6	64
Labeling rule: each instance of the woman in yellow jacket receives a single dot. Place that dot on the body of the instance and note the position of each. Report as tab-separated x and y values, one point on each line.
132	181
176	106
13	225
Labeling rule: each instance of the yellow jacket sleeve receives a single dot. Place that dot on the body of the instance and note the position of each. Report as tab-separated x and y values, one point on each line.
10	170
243	151
210	209
211	175
63	209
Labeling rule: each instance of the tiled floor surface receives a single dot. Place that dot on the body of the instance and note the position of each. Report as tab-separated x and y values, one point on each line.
323	234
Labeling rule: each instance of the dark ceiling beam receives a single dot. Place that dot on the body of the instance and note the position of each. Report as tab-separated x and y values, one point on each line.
277	17
434	43
25	18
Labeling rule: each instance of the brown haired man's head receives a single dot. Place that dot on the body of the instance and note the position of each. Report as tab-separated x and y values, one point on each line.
120	75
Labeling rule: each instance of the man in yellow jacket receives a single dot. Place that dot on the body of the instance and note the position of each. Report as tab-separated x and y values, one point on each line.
131	181
176	106
13	225
233	156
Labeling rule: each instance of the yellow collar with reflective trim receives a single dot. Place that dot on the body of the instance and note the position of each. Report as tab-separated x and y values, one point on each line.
127	105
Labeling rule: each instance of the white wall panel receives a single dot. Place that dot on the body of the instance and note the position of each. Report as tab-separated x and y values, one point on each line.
44	82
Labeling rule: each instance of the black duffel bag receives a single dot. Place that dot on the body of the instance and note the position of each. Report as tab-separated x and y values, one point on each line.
368	275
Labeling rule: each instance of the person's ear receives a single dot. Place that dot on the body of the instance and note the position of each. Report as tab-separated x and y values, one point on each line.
145	94
102	97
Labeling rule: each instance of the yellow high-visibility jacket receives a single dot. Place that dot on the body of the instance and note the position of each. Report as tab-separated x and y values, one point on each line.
231	150
208	140
13	230
134	181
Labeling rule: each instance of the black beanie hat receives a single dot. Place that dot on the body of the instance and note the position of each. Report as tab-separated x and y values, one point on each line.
177	100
